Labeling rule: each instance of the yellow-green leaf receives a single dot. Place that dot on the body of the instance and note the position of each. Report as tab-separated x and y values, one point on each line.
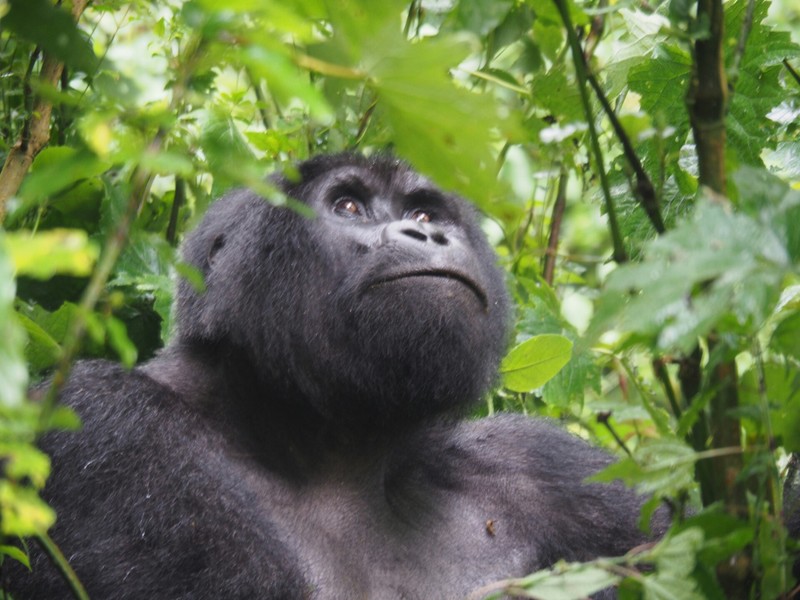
47	253
534	362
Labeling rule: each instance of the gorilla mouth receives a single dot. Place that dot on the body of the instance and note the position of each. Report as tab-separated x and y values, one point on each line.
442	274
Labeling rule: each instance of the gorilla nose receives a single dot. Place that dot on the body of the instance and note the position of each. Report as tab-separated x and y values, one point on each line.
407	230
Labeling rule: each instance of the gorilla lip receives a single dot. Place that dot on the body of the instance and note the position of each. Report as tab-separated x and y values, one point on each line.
443	274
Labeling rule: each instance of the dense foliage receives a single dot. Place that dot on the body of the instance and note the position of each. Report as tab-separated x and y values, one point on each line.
638	164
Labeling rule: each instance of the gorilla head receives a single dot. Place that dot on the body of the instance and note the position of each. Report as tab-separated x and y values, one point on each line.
382	309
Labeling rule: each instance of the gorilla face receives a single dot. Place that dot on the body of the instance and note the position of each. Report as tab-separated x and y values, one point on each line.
384	309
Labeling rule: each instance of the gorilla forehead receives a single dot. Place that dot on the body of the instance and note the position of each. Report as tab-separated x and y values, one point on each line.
381	172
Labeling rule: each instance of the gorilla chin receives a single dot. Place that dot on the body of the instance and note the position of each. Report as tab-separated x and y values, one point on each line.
303	435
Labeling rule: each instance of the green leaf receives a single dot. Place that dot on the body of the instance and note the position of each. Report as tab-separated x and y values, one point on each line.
42	350
443	130
662	466
23	460
119	340
17	554
718	269
57	167
675	558
42	255
782	396
786	337
534	362
566	582
51	28
23	512
285	80
480	16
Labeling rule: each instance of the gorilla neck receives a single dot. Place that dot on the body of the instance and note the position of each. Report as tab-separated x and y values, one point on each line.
271	420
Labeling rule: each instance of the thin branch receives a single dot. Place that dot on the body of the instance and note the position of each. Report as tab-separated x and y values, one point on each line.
178	200
620	256
603	419
643	190
261	101
741	44
60	561
555	229
660	369
499	82
595	32
363	122
792	72
414	10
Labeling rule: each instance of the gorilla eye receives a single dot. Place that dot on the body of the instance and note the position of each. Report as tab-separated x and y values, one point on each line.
420	216
347	207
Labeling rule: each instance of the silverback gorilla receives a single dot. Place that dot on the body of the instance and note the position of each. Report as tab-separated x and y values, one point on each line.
303	436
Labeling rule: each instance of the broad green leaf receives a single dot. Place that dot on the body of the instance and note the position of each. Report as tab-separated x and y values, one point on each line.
285	79
566	582
786	337
757	84
534	362
481	17
443	130
781	398
17	554
718	269
41	351
660	466
541	313
23	512
42	255
23	460
675	558
229	158
119	340
53	29
57	167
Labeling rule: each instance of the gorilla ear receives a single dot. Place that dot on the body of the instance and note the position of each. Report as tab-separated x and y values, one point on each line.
216	246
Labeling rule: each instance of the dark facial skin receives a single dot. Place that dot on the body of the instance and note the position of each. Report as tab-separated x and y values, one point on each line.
305	434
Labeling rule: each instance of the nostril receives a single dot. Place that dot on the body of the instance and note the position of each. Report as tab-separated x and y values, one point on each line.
417	235
440	238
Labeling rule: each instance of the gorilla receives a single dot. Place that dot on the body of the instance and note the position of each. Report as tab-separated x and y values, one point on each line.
305	435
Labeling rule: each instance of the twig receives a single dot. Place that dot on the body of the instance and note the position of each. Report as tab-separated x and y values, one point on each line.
60	561
261	101
603	419
741	44
660	369
620	256
792	72
555	229
363	122
414	10
178	201
643	190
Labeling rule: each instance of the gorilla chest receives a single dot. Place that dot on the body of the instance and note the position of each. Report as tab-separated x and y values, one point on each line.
358	539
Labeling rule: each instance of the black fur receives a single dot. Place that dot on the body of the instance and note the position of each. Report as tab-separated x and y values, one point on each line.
303	436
